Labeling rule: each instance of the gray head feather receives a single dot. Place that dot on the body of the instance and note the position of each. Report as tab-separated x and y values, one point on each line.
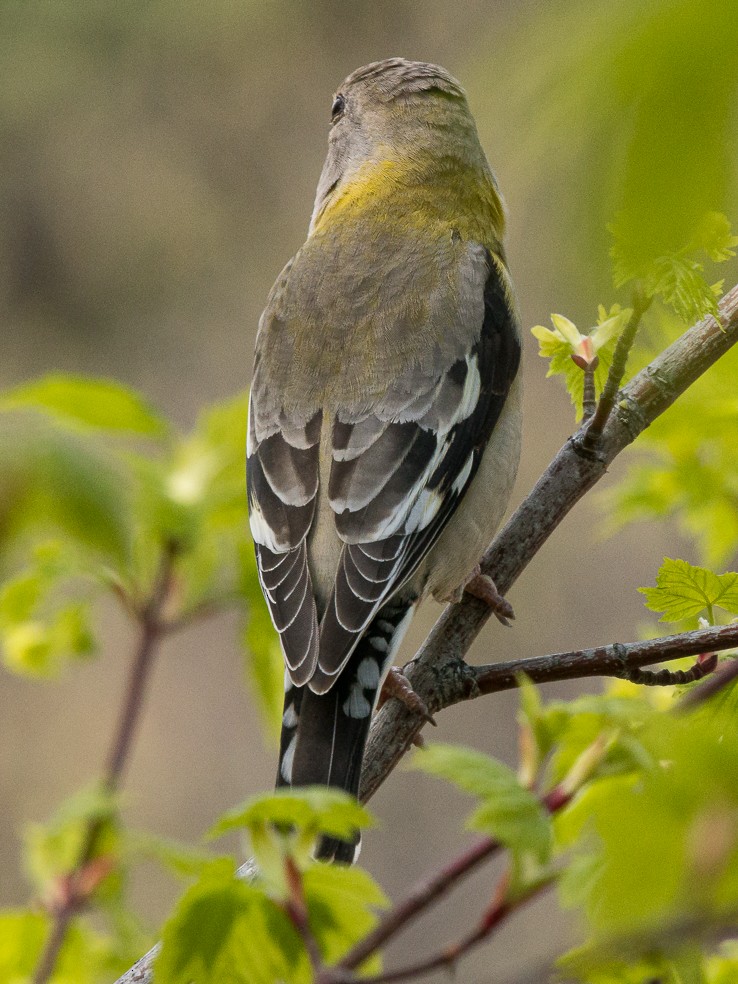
395	77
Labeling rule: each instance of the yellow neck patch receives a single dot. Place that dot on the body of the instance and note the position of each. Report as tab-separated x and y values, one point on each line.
410	195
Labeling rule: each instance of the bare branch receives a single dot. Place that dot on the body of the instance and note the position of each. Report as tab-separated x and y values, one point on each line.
616	660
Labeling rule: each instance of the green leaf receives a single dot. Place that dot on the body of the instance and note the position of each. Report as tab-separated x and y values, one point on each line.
53	479
41	624
181	859
715	237
565	340
223	929
666	845
52	849
684	591
506	810
341	903
314	809
677	278
86	956
99	403
22	935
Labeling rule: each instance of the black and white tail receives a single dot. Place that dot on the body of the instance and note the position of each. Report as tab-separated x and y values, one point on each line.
323	735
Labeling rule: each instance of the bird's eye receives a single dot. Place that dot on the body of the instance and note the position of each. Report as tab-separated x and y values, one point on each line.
339	104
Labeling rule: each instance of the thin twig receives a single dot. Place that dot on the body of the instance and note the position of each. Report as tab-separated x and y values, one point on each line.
75	896
615	660
418	899
705	664
426	891
447	958
297	913
724	675
589	396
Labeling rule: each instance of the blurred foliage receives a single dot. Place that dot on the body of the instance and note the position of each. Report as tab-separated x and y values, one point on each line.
629	114
98	487
689	471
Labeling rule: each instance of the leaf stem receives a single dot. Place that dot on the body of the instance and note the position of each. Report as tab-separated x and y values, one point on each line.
591	436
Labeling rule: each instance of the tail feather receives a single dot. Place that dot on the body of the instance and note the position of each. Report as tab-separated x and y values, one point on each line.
324	735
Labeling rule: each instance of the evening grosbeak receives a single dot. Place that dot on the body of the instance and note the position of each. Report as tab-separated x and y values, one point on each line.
384	422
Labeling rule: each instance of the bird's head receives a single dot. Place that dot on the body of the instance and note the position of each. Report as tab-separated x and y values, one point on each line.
398	122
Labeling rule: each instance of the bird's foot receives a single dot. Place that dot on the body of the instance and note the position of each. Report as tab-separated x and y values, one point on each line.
483	587
397	685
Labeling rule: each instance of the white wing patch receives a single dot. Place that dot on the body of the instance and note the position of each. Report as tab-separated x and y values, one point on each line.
285	766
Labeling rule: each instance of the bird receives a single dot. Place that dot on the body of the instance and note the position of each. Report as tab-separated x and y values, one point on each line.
385	408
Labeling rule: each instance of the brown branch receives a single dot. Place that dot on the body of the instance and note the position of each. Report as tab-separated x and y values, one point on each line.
425	892
78	885
571	474
419	898
616	660
447	958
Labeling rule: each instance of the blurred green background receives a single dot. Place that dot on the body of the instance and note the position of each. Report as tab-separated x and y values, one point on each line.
158	162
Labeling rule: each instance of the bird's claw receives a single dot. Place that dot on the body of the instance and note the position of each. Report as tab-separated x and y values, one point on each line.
483	587
397	685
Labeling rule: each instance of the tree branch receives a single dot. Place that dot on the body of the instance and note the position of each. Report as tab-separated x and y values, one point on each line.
614	660
571	474
78	888
499	909
433	887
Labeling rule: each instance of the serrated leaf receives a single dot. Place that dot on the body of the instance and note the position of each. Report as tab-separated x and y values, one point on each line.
506	810
316	809
715	236
341	903
101	403
685	591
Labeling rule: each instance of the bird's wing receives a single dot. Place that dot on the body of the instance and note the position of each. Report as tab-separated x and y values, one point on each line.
401	467
282	481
